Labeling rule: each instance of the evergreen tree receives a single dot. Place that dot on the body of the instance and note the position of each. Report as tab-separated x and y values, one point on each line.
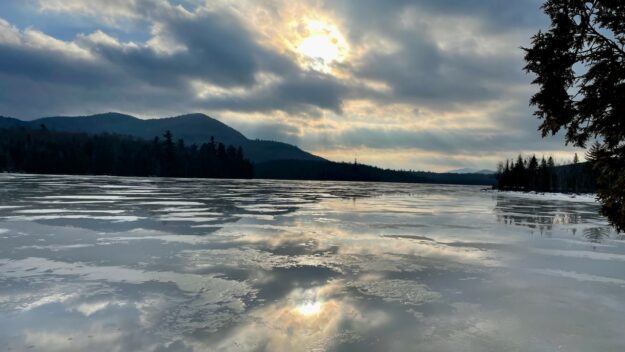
169	150
48	152
532	172
519	173
579	65
544	176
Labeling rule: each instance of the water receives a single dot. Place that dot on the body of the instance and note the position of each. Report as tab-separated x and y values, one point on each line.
123	264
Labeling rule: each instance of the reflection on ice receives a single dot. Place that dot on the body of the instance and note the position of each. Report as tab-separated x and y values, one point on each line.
106	263
310	303
581	277
298	324
309	308
113	218
406	292
58	211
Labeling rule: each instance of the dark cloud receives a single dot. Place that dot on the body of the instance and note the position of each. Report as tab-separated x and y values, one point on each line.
38	82
219	49
163	53
44	66
496	15
27	98
419	70
209	46
319	90
493	15
305	92
215	48
420	73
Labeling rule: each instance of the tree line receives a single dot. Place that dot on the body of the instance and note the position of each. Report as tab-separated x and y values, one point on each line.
530	174
41	151
337	171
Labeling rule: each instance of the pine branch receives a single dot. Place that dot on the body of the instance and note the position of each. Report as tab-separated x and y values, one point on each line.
601	37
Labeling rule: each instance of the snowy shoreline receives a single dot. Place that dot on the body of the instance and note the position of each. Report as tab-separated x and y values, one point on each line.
573	197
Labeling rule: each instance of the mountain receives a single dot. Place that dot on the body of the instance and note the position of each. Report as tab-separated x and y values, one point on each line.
192	128
9	122
472	171
273	160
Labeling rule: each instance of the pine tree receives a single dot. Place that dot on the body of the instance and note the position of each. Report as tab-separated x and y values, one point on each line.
532	172
43	151
519	173
169	155
544	176
579	66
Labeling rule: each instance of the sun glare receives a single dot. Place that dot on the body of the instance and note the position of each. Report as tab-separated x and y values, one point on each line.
321	46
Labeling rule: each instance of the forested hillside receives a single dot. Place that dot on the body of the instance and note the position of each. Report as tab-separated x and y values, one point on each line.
47	152
41	151
192	128
325	170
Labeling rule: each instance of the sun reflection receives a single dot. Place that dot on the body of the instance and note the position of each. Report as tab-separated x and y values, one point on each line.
309	308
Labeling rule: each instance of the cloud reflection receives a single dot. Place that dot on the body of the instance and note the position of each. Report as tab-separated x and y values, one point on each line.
310	266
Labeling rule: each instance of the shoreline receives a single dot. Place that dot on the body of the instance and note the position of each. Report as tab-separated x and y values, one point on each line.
576	197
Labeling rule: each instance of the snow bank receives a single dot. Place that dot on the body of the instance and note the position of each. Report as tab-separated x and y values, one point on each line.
581	198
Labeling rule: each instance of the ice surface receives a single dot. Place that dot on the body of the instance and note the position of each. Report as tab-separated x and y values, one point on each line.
108	263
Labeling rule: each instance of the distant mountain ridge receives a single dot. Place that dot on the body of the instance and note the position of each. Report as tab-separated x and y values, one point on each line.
472	171
273	160
192	128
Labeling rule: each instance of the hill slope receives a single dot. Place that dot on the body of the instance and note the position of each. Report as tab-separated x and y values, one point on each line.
192	128
9	122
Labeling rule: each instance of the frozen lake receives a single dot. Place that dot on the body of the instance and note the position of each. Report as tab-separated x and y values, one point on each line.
125	264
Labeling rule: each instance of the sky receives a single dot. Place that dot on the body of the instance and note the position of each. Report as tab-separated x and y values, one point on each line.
421	85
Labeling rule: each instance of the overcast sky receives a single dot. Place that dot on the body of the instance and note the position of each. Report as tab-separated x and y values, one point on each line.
423	84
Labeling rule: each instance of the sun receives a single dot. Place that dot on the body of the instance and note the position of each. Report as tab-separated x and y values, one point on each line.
319	47
322	45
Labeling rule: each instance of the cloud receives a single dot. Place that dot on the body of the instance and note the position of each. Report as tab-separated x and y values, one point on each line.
297	94
428	55
207	47
107	11
434	76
